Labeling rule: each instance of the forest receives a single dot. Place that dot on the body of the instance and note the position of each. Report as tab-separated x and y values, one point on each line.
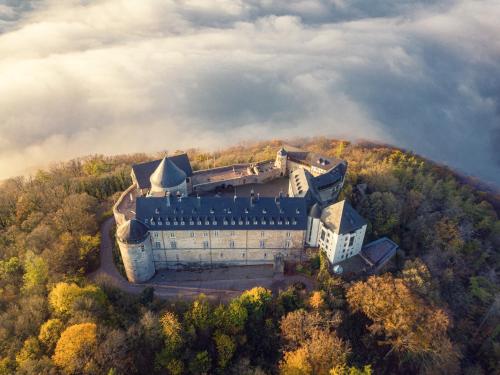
435	311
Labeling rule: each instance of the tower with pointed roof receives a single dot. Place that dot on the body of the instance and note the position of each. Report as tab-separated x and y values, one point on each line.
168	178
135	248
280	163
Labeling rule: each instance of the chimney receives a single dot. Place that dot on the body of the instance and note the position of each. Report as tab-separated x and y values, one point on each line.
258	196
167	194
234	198
252	198
198	200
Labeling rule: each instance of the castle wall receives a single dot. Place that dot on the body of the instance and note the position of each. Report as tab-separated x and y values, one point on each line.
187	249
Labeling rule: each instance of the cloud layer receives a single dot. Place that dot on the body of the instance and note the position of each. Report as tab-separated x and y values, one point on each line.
116	76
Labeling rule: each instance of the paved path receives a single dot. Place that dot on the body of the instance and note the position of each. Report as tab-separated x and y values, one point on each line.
167	285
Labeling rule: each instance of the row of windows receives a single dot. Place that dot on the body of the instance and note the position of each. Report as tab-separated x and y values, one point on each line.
216	234
206	245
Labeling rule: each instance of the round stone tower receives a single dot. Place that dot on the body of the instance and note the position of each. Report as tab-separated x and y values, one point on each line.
280	162
168	177
135	248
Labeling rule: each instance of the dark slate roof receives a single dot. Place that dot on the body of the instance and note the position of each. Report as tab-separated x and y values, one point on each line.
378	251
193	213
143	171
342	218
167	175
311	158
315	211
132	231
330	177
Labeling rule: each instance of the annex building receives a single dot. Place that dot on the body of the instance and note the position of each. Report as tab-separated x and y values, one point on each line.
171	217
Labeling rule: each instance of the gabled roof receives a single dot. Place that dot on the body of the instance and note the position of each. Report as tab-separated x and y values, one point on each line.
143	171
208	213
167	175
341	218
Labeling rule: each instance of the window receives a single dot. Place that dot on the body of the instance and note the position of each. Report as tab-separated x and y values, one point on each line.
232	233
173	244
231	244
205	244
205	234
155	234
323	234
192	234
157	245
172	234
262	244
288	244
262	233
216	233
351	241
142	248
288	234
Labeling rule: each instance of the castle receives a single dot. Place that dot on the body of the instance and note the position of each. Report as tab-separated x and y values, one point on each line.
171	216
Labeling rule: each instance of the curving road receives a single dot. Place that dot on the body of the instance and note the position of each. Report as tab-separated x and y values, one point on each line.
108	272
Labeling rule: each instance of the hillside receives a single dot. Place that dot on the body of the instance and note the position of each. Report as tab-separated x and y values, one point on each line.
437	311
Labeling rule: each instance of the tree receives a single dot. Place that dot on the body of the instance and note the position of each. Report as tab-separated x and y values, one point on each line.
30	351
36	273
75	347
296	363
63	296
231	319
172	331
77	214
226	347
199	315
316	301
201	363
50	331
410	325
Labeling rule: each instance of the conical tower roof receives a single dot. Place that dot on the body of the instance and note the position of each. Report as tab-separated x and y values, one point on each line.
132	231
167	175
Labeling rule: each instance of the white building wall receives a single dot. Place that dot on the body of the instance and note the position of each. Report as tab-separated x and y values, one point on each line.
338	247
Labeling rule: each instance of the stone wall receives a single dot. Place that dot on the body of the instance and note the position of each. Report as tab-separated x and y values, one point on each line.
138	260
194	249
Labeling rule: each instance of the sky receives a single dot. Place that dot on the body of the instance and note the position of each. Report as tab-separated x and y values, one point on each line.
117	76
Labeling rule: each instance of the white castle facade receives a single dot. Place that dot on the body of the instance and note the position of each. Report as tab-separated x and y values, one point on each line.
164	223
